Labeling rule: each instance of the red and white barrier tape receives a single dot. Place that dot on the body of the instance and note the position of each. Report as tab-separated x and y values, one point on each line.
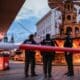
10	46
48	48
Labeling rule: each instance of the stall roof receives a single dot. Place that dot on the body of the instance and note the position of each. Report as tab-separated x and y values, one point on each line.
8	11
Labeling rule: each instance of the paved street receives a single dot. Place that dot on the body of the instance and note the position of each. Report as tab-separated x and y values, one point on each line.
16	72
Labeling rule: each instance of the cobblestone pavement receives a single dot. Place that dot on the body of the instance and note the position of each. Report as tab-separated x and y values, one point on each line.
16	72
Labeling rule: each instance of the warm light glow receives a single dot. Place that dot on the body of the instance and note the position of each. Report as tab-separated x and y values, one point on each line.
59	58
1	35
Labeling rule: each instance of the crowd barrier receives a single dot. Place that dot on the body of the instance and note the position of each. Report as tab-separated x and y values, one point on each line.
10	46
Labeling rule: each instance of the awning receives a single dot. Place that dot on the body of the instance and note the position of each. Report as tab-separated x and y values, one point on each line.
8	11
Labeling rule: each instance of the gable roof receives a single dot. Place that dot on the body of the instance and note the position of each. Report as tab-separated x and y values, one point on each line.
49	12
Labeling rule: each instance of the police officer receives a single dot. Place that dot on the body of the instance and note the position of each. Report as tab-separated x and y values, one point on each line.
30	57
47	56
68	55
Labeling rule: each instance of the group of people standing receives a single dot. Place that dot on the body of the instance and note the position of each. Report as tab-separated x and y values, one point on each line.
47	57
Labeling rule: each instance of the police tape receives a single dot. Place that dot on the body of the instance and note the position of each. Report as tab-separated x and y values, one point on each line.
49	48
11	46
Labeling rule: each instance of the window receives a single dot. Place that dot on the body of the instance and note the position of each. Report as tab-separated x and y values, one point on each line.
76	30
68	7
69	17
79	11
68	30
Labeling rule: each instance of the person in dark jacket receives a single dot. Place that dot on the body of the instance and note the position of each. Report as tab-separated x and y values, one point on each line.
69	55
47	56
30	57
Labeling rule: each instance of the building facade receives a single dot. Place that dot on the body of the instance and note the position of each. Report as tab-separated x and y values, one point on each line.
67	21
49	24
70	23
69	15
70	19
